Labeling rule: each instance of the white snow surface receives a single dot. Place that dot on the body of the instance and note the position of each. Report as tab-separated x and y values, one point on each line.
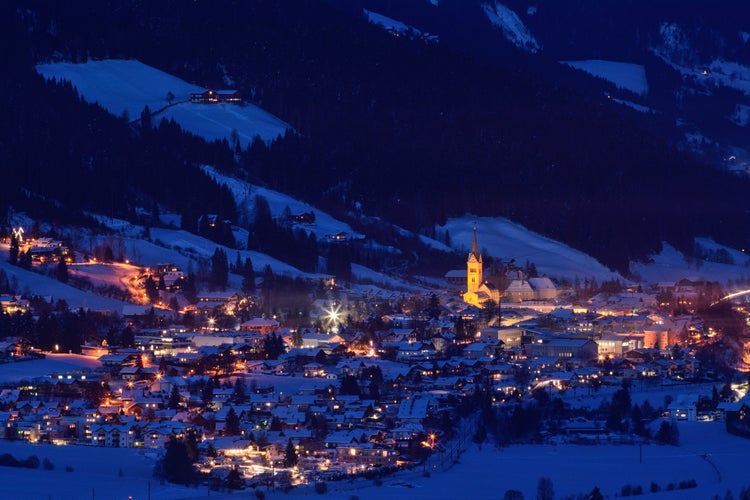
245	193
179	247
127	86
707	453
41	368
198	247
121	85
511	25
54	290
366	275
389	23
671	265
501	238
718	73
635	106
218	121
626	76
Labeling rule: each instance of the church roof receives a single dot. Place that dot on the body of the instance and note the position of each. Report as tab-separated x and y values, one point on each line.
543	283
519	286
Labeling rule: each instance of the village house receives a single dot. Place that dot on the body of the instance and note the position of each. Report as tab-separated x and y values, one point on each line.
211	96
115	436
263	326
12	304
563	348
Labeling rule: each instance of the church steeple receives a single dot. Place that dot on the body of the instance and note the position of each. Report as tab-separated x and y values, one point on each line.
474	266
474	246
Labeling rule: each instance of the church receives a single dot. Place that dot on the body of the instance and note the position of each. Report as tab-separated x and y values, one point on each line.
512	286
478	291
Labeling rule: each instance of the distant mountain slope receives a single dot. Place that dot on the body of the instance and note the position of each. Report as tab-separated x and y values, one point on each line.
245	193
501	238
127	86
410	132
38	284
627	76
511	25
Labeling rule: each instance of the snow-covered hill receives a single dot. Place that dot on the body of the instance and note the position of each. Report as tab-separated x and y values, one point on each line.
245	194
514	30
397	27
127	86
672	265
176	246
624	75
34	283
501	238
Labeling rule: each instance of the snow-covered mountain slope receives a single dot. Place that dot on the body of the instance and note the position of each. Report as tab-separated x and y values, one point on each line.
671	265
397	27
38	284
627	76
176	246
245	194
127	86
514	30
500	238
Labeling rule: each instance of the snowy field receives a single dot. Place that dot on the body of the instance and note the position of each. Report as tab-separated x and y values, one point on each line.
511	25
626	76
127	86
121	86
218	121
53	363
34	283
245	193
635	106
504	239
671	265
389	24
707	454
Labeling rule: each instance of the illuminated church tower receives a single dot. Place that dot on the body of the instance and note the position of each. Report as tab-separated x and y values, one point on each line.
477	292
474	267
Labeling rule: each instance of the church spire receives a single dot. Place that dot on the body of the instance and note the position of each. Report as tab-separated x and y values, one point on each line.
474	247
474	268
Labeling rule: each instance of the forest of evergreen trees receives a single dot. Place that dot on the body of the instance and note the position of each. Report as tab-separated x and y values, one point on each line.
404	130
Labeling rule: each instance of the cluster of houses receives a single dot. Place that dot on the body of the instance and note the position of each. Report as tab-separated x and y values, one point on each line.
402	379
211	96
348	399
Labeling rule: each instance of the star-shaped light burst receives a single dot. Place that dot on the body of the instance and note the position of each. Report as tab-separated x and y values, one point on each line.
333	318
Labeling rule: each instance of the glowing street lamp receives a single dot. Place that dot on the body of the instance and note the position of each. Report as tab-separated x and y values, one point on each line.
333	317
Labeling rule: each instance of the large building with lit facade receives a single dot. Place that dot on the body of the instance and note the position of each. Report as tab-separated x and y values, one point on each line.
478	292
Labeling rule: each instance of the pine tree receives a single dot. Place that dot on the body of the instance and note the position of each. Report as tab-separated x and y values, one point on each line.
248	276
174	399
238	395
24	260
207	394
14	248
232	427
219	276
544	489
152	292
62	271
234	479
176	466
290	456
595	494
146	119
